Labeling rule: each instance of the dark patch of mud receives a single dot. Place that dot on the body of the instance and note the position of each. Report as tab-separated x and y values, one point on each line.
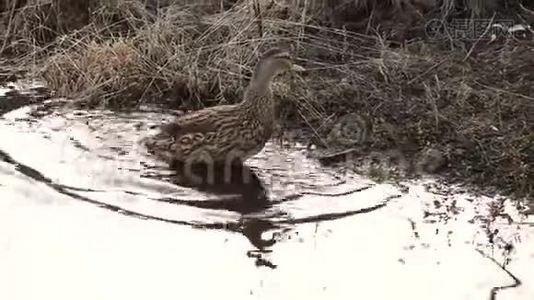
13	99
6	76
11	71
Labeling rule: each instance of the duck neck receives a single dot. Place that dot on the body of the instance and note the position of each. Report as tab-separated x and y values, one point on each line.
258	101
258	92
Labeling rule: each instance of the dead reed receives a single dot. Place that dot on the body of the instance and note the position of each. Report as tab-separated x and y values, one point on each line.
472	101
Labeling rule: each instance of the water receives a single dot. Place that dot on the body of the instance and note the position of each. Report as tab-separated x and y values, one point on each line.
86	213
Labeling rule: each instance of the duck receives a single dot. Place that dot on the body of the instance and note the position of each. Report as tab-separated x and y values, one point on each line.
231	132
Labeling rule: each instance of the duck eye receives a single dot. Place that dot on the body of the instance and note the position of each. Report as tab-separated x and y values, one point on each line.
283	55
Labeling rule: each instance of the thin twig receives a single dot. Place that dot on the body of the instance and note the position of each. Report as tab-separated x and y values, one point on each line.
496	289
479	38
258	17
9	26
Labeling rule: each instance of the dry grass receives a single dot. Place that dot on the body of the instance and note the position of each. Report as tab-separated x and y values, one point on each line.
471	103
178	56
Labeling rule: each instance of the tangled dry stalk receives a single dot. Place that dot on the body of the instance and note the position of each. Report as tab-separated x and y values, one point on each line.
470	101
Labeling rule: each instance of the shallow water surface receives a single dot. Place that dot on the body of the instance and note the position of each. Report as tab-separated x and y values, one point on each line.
87	213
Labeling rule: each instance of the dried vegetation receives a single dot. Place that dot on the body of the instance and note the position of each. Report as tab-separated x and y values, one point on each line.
471	100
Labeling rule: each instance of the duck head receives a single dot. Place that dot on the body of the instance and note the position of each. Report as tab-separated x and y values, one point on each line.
273	62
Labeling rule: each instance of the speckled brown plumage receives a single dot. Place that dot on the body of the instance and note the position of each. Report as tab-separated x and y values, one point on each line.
226	132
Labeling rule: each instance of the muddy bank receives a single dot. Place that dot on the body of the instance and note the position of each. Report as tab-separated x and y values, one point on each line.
459	105
14	96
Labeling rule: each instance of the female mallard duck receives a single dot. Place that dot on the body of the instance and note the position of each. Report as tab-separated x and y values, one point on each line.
227	132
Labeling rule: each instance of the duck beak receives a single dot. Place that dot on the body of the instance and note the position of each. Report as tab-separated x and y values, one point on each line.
297	68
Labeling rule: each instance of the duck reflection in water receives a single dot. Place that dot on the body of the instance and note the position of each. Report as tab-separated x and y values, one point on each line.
241	191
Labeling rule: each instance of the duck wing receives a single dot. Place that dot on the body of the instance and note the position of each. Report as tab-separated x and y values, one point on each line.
196	130
201	121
